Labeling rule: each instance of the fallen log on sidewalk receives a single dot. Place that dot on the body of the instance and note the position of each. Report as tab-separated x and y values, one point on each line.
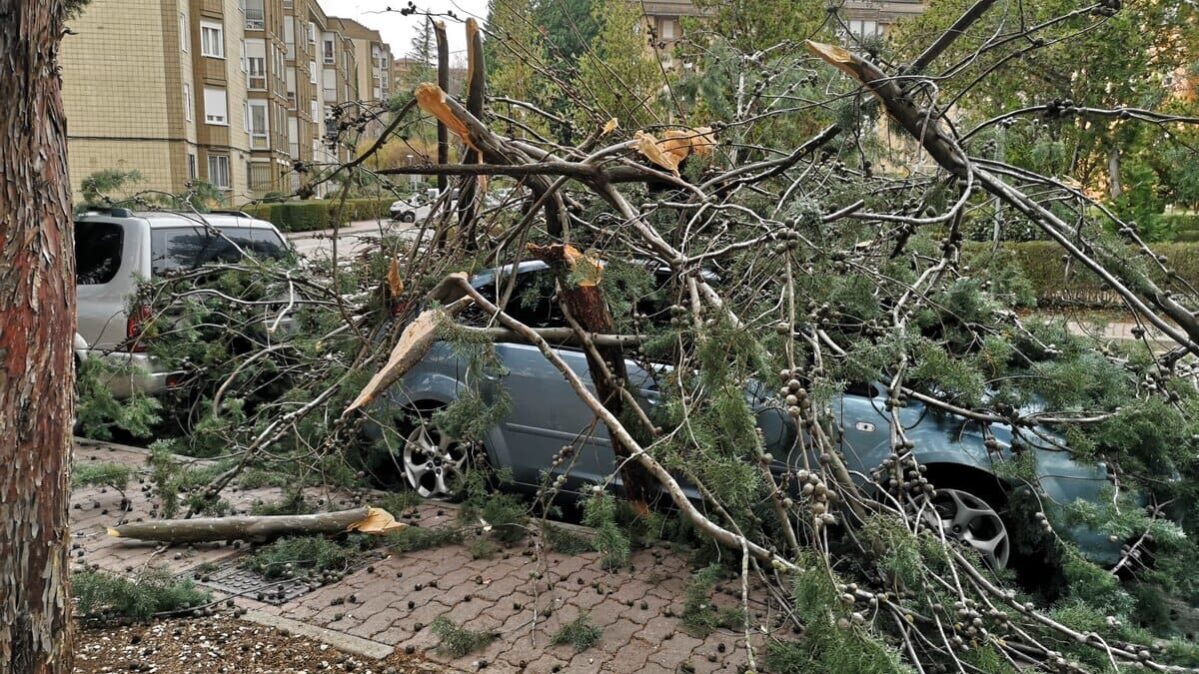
263	527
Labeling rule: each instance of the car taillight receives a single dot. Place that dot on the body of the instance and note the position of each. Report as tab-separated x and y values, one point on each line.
139	315
400	308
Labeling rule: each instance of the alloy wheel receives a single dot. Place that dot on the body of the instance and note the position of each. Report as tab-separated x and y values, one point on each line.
434	461
967	518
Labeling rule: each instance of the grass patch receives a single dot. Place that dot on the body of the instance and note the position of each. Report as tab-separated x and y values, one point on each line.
287	556
104	595
458	641
579	633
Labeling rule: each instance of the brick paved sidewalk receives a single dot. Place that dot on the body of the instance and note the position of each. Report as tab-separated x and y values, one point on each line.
391	603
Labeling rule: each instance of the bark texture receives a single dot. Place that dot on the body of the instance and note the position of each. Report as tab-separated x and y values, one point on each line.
37	319
581	295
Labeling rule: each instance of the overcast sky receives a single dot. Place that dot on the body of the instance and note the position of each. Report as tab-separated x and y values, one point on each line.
398	30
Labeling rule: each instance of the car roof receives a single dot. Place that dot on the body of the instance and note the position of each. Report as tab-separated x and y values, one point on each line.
159	219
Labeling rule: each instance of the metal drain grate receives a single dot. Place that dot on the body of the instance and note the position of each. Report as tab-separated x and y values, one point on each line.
230	578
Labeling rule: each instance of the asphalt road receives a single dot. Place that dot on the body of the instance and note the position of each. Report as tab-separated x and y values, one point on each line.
352	238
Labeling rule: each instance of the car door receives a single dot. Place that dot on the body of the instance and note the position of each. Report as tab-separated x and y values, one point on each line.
107	265
545	412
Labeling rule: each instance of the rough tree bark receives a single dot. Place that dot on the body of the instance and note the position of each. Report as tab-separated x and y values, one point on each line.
37	319
443	81
578	282
476	82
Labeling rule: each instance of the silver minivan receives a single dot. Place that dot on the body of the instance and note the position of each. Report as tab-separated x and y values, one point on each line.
116	248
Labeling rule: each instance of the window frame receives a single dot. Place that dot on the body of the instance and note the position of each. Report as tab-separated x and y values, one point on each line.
184	33
263	134
223	119
228	171
187	102
212	27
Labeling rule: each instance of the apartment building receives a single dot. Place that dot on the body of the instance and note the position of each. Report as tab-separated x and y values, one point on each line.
231	92
864	18
321	73
157	86
373	63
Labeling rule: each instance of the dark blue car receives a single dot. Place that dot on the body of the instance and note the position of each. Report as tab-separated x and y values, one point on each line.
546	414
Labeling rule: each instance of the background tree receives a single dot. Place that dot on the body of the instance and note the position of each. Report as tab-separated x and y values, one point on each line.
1079	58
517	63
569	26
618	74
37	312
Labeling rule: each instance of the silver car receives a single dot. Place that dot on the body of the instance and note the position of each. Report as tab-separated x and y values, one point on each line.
116	248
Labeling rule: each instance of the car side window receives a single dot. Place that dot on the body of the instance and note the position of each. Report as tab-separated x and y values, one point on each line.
182	248
531	302
98	247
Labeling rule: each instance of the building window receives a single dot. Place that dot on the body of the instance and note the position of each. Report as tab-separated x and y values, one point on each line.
257	124
212	39
184	33
311	34
666	29
330	58
261	176
312	72
291	86
187	101
289	35
218	171
255	15
216	106
256	64
191	165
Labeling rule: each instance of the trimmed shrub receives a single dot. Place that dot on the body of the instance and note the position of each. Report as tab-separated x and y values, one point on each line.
1058	280
314	214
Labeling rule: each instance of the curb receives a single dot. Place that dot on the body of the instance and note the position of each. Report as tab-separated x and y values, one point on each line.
339	640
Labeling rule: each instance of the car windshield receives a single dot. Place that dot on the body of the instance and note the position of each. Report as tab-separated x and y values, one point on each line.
182	248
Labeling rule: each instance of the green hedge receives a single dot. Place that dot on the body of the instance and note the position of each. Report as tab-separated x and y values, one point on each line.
305	216
1059	281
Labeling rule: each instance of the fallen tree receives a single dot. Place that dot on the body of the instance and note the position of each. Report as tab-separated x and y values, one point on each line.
259	528
780	258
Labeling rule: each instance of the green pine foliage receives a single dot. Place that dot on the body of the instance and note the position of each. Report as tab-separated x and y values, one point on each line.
580	633
457	641
102	595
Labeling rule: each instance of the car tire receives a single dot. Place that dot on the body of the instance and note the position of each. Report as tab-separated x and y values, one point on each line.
432	462
408	216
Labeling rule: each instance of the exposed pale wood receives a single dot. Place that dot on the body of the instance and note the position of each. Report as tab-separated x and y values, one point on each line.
414	343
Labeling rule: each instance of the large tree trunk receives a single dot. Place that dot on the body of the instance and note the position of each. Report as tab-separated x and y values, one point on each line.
37	319
578	282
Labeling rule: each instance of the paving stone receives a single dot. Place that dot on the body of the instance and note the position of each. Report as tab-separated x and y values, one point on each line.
629	659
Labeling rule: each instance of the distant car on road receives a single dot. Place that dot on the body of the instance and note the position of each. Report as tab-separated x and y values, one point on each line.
404	210
116	248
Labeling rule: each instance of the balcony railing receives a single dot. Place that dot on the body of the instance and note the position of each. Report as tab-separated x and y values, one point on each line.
255	18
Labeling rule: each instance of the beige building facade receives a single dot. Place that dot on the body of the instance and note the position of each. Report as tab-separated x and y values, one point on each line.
230	92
